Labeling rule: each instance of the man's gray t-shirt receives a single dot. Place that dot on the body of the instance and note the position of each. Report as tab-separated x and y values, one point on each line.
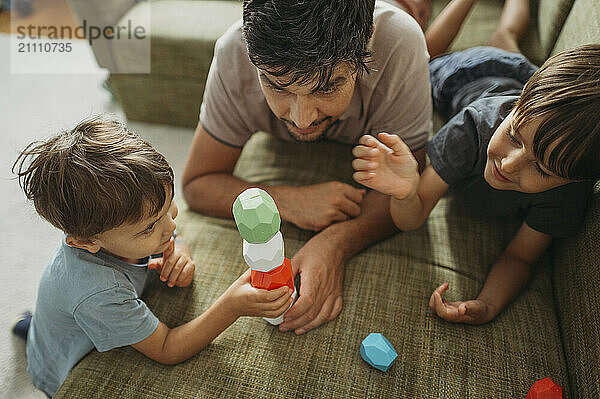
85	301
395	97
458	153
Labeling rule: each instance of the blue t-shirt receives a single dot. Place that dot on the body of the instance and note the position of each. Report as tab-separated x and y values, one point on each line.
85	301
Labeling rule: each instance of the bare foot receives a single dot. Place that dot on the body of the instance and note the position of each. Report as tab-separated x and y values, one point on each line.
420	10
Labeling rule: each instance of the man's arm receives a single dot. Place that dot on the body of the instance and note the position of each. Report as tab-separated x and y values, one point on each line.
209	187
321	261
208	184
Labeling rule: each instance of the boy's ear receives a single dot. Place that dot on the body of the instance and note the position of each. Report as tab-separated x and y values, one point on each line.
91	246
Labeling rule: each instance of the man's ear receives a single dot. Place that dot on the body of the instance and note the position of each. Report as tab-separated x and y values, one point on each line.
89	245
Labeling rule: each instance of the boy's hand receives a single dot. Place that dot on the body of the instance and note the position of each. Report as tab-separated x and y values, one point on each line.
176	266
246	300
470	312
387	166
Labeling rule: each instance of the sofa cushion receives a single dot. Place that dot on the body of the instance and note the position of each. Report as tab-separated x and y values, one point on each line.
386	290
582	26
166	100
576	264
182	35
551	16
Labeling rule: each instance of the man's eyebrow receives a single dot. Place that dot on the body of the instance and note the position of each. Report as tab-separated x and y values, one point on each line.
333	83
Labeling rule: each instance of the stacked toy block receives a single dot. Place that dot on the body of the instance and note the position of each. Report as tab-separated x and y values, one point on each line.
258	222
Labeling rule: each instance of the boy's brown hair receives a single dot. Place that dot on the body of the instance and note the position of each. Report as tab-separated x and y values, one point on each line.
565	95
94	178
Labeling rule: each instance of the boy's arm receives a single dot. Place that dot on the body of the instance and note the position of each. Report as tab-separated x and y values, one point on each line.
410	213
172	346
387	165
507	277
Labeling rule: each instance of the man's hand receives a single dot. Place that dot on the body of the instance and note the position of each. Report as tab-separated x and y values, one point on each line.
245	300
317	206
470	312
176	266
322	275
387	166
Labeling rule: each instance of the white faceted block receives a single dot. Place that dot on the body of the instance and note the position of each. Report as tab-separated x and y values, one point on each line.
264	257
278	320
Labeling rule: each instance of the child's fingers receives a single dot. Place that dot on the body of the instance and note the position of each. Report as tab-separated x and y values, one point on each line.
361	151
447	313
176	271
368	141
440	290
168	264
186	276
273	295
170	248
282	301
438	304
435	301
393	142
363	177
363	164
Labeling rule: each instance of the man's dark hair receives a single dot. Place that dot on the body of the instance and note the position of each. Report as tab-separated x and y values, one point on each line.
307	39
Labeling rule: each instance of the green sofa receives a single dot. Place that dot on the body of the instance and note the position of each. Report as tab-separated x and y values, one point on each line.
550	330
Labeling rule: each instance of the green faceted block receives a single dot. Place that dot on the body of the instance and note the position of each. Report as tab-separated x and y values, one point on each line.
256	216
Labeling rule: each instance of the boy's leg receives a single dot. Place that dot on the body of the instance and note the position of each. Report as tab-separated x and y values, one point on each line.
445	27
465	76
512	26
21	325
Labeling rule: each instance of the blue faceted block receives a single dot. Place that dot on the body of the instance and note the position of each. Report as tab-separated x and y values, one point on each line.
378	352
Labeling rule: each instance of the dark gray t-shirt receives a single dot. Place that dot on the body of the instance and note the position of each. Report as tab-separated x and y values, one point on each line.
458	153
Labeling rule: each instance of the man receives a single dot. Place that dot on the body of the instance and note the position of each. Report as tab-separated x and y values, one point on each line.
306	71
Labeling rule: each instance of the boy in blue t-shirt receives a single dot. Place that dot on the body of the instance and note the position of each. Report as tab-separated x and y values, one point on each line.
508	150
111	194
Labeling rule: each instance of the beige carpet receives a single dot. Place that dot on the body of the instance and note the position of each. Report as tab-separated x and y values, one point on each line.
32	107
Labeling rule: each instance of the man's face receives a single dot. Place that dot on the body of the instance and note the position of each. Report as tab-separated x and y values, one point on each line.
306	113
130	242
511	164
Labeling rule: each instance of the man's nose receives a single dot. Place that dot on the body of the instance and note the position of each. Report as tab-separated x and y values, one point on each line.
303	112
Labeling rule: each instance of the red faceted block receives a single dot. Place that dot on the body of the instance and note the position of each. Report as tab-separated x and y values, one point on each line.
545	389
275	278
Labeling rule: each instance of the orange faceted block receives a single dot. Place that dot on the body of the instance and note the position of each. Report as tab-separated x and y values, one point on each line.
275	278
545	389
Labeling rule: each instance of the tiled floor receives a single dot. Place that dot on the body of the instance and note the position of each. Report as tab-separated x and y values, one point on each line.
33	106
